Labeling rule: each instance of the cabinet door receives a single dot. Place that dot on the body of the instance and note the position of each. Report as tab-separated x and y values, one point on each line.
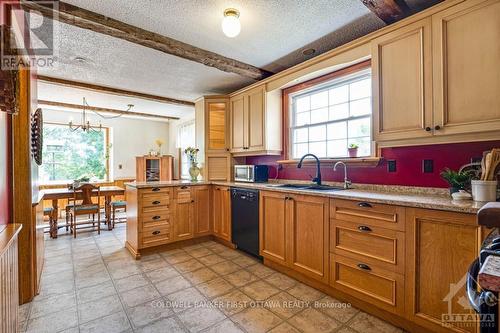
402	83
308	235
184	214
216	111
201	209
217	210
273	226
238	124
225	226
256	119
439	250
466	48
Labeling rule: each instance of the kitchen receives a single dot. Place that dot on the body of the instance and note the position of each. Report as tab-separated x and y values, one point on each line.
359	185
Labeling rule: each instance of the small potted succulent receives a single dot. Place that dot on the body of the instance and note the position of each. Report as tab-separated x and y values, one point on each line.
458	180
353	150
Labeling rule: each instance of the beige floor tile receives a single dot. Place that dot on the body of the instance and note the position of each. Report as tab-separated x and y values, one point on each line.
139	295
365	323
98	278
53	322
241	278
225	267
149	312
305	293
232	302
197	319
172	285
312	321
188	266
162	274
185	299
244	261
340	311
259	290
24	311
151	265
199	252
200	276
226	326
215	287
115	323
285	305
177	257
284	328
260	270
169	325
95	292
280	281
131	282
124	271
21	326
228	253
45	305
256	320
211	259
346	330
99	308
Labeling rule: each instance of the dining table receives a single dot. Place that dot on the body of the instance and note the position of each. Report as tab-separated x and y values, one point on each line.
66	193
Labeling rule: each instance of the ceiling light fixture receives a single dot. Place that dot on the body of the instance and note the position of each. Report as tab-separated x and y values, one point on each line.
231	22
308	52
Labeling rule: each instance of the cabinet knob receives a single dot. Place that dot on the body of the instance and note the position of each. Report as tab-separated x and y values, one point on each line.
364	228
428	129
437	128
155	189
156	232
192	200
364	267
156	217
183	187
156	202
364	205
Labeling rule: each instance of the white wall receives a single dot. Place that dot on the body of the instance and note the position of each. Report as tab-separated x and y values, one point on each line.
130	137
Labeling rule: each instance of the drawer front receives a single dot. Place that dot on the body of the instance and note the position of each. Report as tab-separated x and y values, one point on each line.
372	244
369	283
385	216
182	194
154	190
157	200
155	235
155	218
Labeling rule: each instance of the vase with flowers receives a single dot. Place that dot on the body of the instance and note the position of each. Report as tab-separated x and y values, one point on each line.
159	143
194	170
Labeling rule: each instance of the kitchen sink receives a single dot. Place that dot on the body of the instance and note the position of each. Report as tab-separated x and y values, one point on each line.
313	187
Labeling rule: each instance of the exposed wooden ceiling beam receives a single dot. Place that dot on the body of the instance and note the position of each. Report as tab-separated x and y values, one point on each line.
106	110
389	11
89	20
114	91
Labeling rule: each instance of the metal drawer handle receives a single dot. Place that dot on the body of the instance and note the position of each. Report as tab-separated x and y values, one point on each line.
364	228
183	187
156	189
156	202
157	217
156	232
364	267
365	205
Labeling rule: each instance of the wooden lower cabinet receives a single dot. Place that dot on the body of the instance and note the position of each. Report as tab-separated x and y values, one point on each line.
440	247
184	213
202	218
221	210
294	232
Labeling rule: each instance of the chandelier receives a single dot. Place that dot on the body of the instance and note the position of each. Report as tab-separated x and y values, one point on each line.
85	124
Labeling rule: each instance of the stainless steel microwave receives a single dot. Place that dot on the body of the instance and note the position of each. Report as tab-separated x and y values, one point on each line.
251	173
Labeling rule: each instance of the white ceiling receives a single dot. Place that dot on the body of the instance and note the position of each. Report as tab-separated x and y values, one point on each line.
274	32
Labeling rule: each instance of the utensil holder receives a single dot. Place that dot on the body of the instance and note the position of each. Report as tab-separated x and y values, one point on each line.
484	190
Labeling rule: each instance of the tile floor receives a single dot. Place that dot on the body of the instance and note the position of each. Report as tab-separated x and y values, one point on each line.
92	284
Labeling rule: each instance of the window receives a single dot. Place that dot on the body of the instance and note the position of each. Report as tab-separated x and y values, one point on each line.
328	117
71	155
185	138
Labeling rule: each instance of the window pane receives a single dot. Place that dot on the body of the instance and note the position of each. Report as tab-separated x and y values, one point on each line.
319	116
361	107
318	148
339	95
303	104
364	145
359	127
337	130
360	89
302	118
319	100
317	133
340	111
337	148
300	149
301	135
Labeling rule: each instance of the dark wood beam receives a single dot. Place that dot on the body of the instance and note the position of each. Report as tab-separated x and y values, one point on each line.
89	20
110	90
105	110
389	11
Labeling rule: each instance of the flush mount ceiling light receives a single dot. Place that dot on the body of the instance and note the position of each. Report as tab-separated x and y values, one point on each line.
308	52
231	22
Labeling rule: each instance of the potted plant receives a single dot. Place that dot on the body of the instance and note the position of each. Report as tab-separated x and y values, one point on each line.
458	180
353	150
194	170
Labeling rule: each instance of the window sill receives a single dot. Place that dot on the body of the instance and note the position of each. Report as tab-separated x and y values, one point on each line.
351	161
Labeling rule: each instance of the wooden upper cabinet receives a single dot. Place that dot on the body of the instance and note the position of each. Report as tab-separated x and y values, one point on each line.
217	117
402	82
440	247
256	121
273	227
466	41
238	124
201	209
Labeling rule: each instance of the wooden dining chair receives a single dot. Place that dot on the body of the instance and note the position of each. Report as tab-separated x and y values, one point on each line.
83	205
119	204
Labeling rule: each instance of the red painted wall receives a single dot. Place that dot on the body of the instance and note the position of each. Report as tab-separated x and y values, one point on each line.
4	169
408	165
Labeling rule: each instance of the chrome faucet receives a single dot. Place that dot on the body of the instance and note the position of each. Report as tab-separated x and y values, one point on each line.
316	179
347	182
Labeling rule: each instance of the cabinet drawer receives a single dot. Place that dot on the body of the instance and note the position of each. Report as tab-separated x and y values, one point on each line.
182	194
154	190
375	245
156	200
155	235
385	216
155	218
370	283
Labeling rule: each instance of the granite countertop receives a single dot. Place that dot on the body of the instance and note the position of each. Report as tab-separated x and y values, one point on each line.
416	197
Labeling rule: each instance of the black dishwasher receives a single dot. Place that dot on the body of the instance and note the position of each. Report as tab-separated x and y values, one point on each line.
245	219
